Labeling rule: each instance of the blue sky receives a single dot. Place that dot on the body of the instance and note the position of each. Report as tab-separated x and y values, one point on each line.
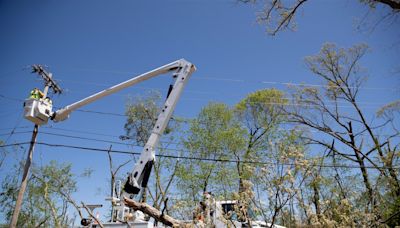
91	45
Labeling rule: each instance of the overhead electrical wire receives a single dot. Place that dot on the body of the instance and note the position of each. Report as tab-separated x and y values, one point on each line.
13	130
10	128
247	81
365	104
122	115
120	136
290	83
198	158
112	142
81	132
209	93
106	141
136	87
16	133
264	103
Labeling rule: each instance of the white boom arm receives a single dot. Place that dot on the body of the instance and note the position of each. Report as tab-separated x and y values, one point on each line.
63	113
138	178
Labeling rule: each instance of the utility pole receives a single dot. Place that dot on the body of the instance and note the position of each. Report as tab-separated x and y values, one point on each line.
49	83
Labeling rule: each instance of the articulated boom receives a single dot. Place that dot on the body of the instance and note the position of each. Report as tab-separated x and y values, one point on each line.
39	111
140	174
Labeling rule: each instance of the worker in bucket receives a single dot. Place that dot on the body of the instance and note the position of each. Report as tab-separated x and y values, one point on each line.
36	94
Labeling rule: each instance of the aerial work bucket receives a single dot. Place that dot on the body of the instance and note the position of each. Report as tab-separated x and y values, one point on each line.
37	111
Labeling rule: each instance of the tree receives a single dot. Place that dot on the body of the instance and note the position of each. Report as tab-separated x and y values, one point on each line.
260	113
113	178
280	179
45	204
3	154
279	15
142	113
349	134
213	135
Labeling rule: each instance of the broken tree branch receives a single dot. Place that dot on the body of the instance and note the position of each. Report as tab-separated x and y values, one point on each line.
91	215
154	213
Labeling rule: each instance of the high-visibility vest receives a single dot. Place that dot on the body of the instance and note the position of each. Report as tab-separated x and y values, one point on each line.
33	94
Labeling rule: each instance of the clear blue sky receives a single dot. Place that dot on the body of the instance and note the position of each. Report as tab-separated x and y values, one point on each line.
90	45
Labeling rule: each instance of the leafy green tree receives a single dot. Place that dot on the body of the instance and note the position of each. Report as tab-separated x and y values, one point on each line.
260	113
142	113
213	135
45	202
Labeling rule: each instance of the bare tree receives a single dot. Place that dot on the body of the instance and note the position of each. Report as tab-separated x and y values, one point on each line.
279	15
333	110
113	175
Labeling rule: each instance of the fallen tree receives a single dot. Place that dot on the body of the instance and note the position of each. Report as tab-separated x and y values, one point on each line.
155	213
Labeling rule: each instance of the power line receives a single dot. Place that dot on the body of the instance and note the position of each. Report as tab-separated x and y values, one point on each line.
126	136
8	128
92	139
82	132
106	141
13	130
209	93
11	98
287	83
302	103
15	133
186	121
197	158
136	87
365	104
249	81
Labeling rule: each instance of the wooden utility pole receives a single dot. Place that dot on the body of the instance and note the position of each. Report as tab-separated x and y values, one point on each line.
49	83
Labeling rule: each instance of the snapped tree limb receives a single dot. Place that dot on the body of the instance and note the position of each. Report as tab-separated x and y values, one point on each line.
154	213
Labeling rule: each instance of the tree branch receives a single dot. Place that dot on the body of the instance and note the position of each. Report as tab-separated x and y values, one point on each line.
395	5
91	215
154	213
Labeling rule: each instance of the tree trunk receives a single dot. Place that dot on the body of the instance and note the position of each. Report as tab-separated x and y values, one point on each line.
316	200
154	213
364	172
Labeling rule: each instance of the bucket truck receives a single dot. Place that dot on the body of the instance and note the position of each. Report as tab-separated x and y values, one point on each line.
39	111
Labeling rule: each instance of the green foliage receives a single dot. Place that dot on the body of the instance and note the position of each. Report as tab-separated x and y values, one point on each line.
337	67
214	134
390	110
44	201
303	181
262	108
141	115
260	113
